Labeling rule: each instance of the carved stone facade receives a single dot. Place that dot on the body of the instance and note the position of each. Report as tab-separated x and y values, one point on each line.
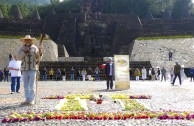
92	33
92	9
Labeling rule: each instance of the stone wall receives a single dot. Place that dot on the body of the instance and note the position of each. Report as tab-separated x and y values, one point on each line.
7	46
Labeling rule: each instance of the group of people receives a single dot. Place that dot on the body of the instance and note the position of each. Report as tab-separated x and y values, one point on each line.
78	74
160	74
28	56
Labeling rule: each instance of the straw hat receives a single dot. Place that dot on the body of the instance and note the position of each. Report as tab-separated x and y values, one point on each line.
28	37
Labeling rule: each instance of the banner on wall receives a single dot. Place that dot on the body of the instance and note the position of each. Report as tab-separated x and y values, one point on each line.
122	81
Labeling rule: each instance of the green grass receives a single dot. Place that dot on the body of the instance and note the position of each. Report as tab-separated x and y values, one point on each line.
164	37
15	37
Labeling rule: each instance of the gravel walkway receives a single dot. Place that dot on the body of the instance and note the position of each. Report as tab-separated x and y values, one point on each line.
164	97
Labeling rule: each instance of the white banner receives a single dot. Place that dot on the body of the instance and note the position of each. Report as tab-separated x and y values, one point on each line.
122	81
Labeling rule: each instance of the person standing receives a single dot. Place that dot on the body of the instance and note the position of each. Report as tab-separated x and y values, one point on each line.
58	74
170	56
51	73
90	72
137	74
177	69
15	70
6	74
44	74
97	72
163	71
158	74
78	73
153	74
83	73
29	54
191	71
63	74
109	72
72	74
144	73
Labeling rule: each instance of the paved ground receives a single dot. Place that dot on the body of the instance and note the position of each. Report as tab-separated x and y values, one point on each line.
164	97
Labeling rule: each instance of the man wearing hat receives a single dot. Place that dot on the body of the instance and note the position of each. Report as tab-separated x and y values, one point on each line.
29	54
109	71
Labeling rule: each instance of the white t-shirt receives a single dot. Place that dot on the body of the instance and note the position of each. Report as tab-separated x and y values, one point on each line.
17	65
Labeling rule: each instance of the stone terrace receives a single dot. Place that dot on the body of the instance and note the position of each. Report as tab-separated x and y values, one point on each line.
164	97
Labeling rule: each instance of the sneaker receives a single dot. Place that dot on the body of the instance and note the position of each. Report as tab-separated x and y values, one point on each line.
12	92
31	103
17	92
25	103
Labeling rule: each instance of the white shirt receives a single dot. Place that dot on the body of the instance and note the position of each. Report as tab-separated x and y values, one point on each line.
97	71
144	72
17	65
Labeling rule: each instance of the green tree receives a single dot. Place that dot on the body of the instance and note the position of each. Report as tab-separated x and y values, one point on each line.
5	8
26	9
54	2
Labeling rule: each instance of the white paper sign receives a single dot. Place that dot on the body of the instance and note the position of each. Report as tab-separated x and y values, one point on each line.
122	81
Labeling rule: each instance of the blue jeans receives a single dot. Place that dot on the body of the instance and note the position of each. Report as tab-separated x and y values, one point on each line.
44	77
109	82
72	77
97	77
14	87
6	78
78	78
29	78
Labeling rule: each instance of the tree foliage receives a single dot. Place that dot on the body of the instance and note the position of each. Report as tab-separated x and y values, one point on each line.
138	7
5	8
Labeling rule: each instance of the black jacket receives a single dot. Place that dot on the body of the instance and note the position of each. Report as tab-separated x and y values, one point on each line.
107	69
